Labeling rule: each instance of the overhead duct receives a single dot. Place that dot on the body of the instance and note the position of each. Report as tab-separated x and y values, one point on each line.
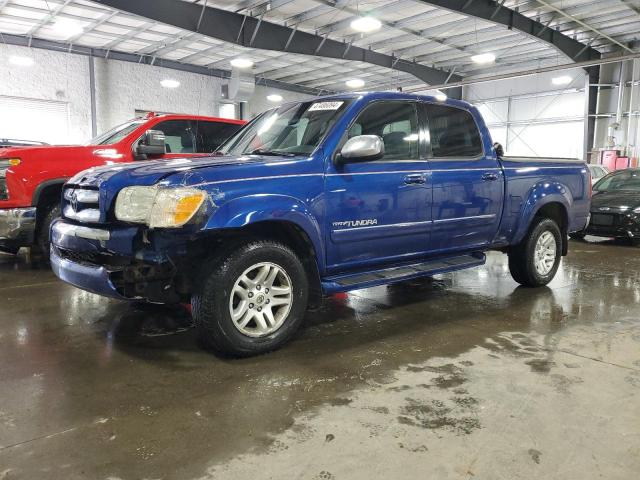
241	85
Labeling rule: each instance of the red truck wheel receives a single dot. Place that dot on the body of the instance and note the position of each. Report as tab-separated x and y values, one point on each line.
50	213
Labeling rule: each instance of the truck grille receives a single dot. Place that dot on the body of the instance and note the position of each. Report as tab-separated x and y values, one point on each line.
81	205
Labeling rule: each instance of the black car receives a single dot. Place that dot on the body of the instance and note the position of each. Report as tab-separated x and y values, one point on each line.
615	206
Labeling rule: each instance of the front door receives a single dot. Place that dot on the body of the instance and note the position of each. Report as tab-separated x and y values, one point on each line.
379	211
468	184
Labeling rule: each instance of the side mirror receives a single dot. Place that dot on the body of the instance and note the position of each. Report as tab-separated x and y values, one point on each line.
362	148
151	143
499	150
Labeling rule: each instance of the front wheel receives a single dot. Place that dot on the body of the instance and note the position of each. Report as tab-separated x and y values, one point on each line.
252	300
534	262
42	236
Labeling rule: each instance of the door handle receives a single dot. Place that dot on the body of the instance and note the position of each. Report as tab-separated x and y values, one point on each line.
489	177
416	179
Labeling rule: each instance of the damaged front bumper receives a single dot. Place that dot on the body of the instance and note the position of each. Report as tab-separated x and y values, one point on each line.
17	227
114	263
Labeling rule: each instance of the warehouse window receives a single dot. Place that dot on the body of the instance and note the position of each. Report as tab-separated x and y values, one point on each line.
396	123
453	132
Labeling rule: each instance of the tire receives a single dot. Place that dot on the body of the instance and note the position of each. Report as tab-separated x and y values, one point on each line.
50	213
577	235
522	257
222	291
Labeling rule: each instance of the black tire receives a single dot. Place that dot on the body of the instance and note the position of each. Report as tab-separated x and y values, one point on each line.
577	235
211	302
50	213
522	256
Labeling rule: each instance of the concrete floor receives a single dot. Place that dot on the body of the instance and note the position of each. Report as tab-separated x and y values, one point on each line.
463	377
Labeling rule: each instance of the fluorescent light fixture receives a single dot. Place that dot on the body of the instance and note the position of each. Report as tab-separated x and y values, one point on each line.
241	62
170	83
67	28
21	61
355	83
483	58
274	97
563	80
366	24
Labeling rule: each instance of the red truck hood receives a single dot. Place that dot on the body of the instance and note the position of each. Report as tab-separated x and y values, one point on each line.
61	152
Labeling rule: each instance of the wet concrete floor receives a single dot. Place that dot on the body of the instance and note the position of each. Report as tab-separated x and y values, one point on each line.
466	376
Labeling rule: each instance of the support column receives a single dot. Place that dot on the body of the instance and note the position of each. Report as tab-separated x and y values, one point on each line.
590	110
92	91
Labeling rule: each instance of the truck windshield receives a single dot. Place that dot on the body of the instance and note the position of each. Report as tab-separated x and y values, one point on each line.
625	180
293	129
117	133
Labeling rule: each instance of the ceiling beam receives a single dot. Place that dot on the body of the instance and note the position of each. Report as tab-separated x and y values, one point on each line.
584	24
496	12
251	32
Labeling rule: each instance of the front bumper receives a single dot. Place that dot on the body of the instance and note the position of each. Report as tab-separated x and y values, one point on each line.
621	226
112	262
17	227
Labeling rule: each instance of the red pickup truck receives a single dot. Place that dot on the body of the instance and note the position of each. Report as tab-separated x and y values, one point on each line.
31	178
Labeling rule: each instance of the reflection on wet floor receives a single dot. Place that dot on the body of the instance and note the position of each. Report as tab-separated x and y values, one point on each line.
454	377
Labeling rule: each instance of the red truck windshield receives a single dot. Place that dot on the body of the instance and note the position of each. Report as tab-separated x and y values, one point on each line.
117	133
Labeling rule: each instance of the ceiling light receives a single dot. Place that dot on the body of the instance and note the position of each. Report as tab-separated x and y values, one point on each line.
274	97
21	61
483	58
563	80
170	83
355	83
241	62
67	28
366	24
440	96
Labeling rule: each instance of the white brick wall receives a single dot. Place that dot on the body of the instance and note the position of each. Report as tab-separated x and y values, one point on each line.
121	89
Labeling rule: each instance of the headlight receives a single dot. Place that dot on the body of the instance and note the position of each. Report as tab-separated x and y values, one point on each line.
5	163
159	207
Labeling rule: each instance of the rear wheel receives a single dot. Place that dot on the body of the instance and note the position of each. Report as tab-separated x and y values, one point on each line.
252	300
534	262
50	213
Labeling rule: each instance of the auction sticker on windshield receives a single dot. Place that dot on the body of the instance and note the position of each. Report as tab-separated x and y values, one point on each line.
325	106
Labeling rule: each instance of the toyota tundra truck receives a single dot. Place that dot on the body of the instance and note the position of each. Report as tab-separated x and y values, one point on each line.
326	195
31	177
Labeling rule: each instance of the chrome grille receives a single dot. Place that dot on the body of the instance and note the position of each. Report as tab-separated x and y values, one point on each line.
81	205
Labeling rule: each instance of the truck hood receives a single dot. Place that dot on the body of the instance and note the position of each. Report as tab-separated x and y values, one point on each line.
61	152
152	171
615	200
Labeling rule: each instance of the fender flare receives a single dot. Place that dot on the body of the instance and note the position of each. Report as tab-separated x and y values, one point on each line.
244	211
542	193
41	186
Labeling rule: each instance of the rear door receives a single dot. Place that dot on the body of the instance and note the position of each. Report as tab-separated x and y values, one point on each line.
379	211
180	138
468	184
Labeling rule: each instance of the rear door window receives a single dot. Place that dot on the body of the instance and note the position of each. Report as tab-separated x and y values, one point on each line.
210	135
453	132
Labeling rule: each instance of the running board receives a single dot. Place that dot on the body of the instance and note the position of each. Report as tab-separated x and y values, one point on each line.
342	283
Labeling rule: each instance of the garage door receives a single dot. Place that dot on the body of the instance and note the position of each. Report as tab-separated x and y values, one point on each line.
34	119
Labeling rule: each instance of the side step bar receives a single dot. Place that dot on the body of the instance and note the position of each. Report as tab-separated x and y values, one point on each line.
342	283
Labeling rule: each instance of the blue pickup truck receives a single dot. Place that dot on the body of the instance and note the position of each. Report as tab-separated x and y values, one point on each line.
311	198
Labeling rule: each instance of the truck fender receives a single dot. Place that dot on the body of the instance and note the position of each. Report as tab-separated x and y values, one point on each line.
244	211
541	194
44	185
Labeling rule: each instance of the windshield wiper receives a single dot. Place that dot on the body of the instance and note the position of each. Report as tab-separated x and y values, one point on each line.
275	153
